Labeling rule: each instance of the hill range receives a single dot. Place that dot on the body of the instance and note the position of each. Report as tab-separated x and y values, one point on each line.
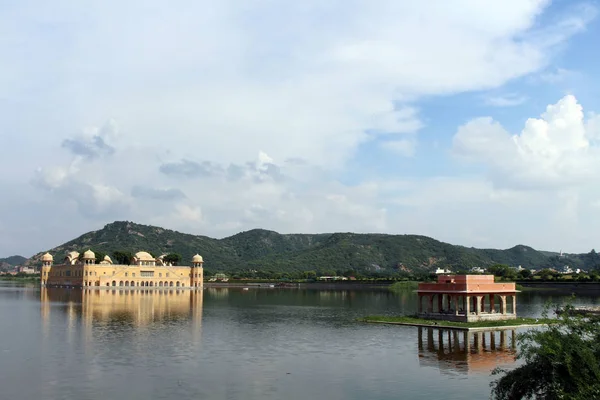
260	249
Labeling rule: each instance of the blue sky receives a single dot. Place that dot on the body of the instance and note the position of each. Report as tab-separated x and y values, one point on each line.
472	123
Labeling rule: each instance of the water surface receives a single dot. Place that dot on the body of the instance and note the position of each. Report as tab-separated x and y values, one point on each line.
235	344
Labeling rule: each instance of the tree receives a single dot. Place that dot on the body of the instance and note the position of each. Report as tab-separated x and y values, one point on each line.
524	274
122	257
561	361
99	256
503	271
173	258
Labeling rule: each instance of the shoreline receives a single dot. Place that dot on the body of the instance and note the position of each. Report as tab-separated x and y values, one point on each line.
407	320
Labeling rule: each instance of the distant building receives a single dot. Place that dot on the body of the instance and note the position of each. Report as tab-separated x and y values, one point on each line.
26	270
463	298
219	278
332	278
478	270
145	271
443	271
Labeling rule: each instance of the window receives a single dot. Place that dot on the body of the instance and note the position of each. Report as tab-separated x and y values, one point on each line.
133	274
147	274
160	274
126	274
167	274
68	273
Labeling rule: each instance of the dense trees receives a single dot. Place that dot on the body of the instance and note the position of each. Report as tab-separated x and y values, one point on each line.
561	361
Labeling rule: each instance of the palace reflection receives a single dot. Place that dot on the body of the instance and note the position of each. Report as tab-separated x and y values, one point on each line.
135	307
455	351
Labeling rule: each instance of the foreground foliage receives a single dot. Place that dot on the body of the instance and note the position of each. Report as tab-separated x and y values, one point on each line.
561	361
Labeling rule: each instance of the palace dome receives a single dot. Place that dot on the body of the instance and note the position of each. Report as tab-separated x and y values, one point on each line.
47	257
73	255
143	256
197	259
89	255
107	259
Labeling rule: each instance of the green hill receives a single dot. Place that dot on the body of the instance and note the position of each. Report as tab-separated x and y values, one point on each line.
13	260
265	250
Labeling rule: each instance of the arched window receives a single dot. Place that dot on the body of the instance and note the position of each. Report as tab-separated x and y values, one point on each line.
114	283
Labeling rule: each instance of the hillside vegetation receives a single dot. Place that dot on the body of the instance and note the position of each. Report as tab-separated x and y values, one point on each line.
265	250
13	260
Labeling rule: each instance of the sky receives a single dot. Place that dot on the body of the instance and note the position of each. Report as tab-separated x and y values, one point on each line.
476	122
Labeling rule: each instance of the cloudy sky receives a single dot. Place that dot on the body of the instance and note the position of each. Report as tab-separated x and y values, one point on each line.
471	121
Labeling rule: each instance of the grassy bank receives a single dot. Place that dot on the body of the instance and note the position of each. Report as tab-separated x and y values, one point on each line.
19	278
414	320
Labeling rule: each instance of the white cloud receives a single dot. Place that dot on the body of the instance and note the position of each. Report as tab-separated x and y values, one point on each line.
556	75
402	147
212	76
509	100
552	151
200	88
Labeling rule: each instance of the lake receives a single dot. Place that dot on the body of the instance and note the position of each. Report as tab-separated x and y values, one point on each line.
236	344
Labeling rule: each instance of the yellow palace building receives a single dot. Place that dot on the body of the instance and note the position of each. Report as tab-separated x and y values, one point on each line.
144	271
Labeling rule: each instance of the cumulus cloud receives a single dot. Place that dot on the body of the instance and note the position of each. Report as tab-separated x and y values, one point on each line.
552	151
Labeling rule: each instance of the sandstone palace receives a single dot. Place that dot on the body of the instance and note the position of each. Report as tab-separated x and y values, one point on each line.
144	271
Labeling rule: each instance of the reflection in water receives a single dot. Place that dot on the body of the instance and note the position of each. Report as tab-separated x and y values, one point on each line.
135	307
453	350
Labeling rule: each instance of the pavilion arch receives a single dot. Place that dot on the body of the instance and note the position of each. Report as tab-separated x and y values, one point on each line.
178	284
120	283
151	283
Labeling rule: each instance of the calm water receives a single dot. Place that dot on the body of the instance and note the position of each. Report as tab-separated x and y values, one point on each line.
234	344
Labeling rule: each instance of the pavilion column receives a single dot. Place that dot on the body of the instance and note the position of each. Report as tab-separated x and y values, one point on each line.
503	304
440	302
467	305
478	340
492	303
514	299
455	304
430	304
477	306
482	303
